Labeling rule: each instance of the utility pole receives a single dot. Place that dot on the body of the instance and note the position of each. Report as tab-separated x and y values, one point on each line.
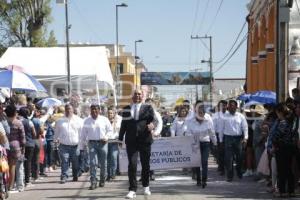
282	37
117	68
68	49
196	88
210	64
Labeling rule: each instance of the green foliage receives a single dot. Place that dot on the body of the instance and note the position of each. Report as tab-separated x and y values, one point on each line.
24	23
2	50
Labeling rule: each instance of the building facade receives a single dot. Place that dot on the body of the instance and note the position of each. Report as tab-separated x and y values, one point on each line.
263	72
261	57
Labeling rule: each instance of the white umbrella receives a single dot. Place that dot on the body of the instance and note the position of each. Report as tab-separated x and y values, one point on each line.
49	102
13	79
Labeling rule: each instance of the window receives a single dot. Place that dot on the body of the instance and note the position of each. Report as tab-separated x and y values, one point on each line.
121	68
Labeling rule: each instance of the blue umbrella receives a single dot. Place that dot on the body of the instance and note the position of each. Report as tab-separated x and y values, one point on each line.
244	97
264	97
14	79
49	102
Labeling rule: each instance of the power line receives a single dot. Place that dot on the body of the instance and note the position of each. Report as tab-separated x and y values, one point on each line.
234	43
237	48
203	16
240	44
86	22
195	16
297	7
215	17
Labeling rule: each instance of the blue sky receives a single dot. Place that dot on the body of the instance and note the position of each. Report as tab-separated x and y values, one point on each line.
165	26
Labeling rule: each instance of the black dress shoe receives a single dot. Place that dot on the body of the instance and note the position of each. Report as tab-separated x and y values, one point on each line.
75	179
152	178
101	184
204	184
240	176
93	186
229	180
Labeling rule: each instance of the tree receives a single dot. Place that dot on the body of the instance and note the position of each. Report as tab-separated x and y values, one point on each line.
24	23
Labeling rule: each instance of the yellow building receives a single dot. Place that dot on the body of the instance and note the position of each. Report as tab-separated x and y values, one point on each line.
126	76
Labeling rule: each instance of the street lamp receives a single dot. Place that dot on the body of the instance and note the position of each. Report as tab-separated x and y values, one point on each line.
135	60
117	45
67	42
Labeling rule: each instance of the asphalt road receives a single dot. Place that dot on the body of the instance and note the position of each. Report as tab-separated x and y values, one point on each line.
169	185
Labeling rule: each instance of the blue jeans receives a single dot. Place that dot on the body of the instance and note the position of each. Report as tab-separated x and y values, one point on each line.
68	154
204	150
84	164
20	174
233	149
98	152
112	159
49	153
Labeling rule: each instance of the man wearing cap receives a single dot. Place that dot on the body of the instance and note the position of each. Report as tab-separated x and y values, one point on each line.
234	133
137	125
96	131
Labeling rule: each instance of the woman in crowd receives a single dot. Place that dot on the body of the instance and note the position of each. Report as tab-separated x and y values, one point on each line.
201	126
283	147
178	128
113	149
29	146
17	141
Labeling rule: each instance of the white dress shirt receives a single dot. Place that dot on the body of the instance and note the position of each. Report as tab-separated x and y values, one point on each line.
178	127
204	130
217	120
68	129
158	124
135	108
115	128
234	125
95	129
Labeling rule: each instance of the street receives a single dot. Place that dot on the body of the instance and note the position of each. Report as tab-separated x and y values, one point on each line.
171	184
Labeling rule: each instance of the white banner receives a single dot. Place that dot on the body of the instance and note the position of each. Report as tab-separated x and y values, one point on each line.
168	153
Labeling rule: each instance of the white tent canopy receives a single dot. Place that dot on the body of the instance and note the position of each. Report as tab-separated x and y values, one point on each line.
51	62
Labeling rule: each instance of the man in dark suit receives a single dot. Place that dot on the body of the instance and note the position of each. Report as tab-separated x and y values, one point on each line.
137	125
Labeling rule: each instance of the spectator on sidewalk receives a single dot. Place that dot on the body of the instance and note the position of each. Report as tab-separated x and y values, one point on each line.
29	146
16	152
